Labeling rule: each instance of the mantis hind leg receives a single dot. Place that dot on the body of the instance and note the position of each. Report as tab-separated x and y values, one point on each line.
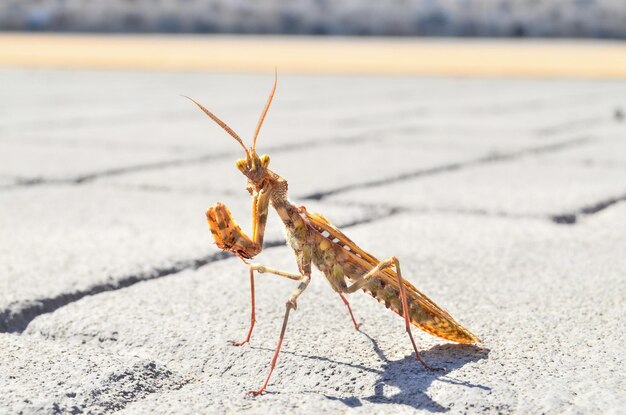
361	282
345	301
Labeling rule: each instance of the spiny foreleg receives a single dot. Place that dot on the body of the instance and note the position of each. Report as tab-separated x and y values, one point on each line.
229	236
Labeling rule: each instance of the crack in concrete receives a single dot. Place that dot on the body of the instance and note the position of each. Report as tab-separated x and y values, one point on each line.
16	317
16	320
537	103
450	167
570	125
157	165
353	138
101	119
571	218
398	209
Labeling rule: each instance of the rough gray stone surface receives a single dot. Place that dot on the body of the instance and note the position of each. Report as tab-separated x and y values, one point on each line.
503	199
85	379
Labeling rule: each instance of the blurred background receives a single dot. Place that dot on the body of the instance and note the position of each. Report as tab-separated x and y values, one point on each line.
516	18
553	38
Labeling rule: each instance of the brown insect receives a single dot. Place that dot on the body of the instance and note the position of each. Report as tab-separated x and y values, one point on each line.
315	240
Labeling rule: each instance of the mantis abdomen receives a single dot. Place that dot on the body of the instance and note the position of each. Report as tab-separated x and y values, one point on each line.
337	259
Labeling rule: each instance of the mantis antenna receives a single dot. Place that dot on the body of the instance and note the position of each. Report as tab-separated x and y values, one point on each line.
219	122
264	113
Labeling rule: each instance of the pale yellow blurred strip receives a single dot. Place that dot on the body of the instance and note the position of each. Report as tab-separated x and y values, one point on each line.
457	57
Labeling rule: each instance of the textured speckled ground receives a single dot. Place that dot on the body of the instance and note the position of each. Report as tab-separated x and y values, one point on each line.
503	199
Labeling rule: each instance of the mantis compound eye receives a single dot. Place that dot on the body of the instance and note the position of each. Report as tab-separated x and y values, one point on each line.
265	160
242	165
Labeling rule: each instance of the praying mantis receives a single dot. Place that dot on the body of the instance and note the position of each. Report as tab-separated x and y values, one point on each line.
315	240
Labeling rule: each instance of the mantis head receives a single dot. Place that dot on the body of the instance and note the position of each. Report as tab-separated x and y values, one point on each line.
252	166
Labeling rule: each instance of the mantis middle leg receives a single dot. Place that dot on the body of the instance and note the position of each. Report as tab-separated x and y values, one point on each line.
263	269
260	269
304	266
289	305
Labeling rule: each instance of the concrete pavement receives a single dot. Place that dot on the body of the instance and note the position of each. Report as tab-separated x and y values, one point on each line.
503	199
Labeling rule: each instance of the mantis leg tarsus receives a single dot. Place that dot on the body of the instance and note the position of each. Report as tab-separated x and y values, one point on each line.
252	313
357	326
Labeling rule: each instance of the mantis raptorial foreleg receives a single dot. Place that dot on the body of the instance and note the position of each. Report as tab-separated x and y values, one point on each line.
261	269
361	282
229	236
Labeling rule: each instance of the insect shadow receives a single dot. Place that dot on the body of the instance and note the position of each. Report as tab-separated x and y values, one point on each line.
413	381
409	377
